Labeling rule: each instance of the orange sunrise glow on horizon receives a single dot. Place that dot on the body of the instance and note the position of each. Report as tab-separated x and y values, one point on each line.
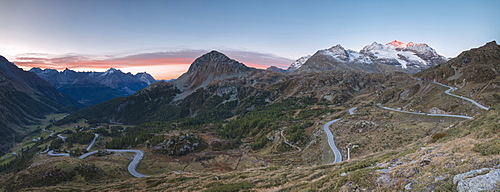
159	66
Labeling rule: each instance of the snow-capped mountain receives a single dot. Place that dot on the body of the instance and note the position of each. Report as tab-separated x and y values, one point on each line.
298	63
410	57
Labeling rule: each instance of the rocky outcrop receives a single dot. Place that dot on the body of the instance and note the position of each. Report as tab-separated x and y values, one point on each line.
484	179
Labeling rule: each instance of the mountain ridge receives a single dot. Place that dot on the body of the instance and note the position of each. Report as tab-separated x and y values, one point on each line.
90	88
410	57
24	100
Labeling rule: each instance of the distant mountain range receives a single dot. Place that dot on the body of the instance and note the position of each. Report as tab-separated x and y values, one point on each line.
376	57
24	100
90	88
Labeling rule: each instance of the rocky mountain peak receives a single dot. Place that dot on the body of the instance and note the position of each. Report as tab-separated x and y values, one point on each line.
210	66
373	46
337	47
338	52
398	44
486	54
213	60
276	69
491	46
298	63
111	71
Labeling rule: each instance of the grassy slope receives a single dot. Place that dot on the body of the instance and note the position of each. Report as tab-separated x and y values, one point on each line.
456	153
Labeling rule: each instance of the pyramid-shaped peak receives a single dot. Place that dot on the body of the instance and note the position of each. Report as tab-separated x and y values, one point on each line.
111	70
208	67
214	55
215	61
338	46
68	71
374	46
335	50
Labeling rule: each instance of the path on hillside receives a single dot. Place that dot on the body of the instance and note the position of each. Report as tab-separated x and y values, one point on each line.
453	95
331	141
286	141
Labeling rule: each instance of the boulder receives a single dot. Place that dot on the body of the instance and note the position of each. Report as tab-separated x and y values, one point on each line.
476	180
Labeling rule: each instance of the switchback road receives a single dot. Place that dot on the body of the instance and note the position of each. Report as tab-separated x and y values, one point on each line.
133	164
453	95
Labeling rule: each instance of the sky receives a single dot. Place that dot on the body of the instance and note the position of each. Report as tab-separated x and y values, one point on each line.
164	37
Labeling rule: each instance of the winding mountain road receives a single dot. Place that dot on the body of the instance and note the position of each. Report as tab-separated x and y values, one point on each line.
131	167
428	114
465	98
62	137
446	92
331	141
133	164
93	141
51	132
51	153
453	95
87	154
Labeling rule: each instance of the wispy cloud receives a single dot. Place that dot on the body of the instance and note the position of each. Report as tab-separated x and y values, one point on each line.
162	65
